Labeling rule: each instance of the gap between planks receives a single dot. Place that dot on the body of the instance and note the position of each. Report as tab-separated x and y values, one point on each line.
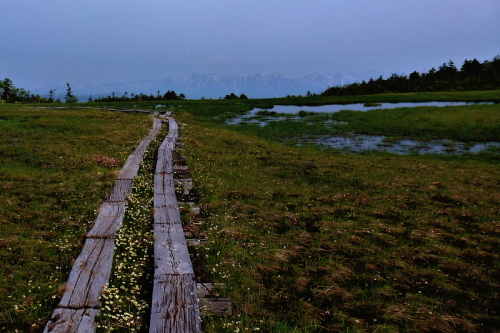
77	309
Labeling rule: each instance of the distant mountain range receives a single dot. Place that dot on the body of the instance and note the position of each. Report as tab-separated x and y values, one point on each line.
215	85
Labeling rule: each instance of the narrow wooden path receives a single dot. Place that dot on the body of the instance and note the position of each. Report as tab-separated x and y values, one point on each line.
79	305
175	304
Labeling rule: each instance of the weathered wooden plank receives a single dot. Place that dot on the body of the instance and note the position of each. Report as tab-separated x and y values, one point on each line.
173	126
208	289
195	210
171	138
168	199
157	126
131	167
173	131
172	134
215	307
121	191
179	160
175	306
108	220
164	184
131	110
186	183
164	163
164	117
89	274
196	242
167	145
167	215
210	305
92	268
171	254
72	321
142	146
181	169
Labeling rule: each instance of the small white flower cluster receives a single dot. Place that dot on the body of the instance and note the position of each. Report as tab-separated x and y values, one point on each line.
124	301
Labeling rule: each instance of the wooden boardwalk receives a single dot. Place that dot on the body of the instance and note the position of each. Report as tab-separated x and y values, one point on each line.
79	305
175	301
175	305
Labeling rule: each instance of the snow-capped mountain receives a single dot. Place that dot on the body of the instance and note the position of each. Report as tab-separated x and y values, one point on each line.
215	86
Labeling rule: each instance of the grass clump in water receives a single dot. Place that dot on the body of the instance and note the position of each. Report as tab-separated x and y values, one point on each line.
372	104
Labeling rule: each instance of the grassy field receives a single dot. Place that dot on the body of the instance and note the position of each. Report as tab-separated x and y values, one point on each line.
307	241
304	240
56	167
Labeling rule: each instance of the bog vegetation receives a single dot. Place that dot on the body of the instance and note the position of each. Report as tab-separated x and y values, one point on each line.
311	241
303	239
56	167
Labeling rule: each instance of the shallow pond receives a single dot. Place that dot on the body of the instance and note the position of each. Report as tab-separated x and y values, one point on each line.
359	143
331	108
273	114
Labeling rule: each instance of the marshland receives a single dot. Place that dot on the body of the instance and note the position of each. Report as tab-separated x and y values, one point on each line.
304	238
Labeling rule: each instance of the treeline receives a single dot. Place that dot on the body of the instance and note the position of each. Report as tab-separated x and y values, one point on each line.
169	95
473	75
234	96
12	94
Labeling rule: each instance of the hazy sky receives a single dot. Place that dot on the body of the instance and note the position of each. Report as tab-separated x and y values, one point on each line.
98	41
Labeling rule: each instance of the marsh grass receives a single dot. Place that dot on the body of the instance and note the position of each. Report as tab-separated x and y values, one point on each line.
50	187
304	240
468	123
220	110
307	241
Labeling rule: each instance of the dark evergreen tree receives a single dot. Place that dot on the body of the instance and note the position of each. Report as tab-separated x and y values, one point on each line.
231	96
51	95
7	88
70	98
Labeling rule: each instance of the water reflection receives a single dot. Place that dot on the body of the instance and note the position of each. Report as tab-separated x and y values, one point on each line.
360	143
331	108
263	116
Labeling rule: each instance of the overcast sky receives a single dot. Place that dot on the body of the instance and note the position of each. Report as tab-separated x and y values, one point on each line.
101	41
